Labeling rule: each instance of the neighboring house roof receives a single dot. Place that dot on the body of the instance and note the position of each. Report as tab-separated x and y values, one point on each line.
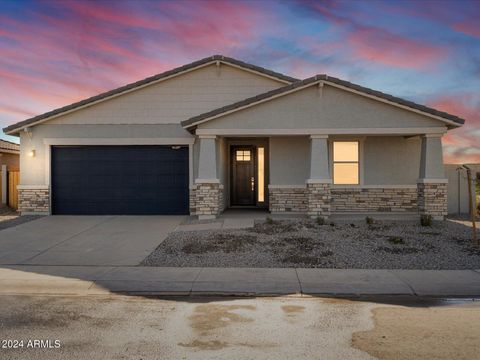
252	101
152	79
9	147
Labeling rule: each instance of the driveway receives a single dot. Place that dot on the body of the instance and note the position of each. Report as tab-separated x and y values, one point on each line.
85	240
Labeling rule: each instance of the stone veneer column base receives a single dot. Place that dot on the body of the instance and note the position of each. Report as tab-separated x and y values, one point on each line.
33	200
318	199
208	200
432	199
192	199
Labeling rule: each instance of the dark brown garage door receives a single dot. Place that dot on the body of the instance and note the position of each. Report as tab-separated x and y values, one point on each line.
119	180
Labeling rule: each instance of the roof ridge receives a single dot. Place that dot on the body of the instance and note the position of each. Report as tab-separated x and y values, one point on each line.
317	78
145	81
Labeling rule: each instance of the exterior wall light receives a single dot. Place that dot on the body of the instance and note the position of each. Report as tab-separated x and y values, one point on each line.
31	153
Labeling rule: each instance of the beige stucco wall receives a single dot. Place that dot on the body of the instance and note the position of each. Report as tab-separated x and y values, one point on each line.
386	160
152	112
308	109
458	187
289	160
391	160
33	169
174	100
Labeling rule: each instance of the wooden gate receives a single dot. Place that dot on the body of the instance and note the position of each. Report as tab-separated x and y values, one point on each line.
13	180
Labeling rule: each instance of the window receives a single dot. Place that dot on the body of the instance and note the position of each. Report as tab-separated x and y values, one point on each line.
261	174
242	155
345	162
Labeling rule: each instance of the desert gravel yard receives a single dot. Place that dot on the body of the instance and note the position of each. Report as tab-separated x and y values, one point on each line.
307	243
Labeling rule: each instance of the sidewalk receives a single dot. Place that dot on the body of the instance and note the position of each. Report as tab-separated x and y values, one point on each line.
101	280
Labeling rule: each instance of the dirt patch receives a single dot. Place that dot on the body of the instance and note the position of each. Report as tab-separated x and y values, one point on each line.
278	227
398	250
210	317
293	309
206	345
219	242
421	333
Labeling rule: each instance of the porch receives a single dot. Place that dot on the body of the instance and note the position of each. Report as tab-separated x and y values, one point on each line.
357	175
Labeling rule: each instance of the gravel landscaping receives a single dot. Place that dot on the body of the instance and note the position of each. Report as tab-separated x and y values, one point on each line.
306	243
10	218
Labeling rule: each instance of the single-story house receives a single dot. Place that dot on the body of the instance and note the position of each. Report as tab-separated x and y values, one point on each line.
221	133
9	155
9	161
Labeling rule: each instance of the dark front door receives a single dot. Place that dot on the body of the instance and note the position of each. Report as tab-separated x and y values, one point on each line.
243	175
120	180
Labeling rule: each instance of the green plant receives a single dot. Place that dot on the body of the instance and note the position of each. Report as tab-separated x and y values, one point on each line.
269	220
320	220
396	240
369	220
426	220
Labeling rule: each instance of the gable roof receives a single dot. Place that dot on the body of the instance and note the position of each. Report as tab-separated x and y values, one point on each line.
452	120
10	147
12	129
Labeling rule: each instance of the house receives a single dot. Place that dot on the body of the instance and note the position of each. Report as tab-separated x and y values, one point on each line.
9	155
220	133
9	161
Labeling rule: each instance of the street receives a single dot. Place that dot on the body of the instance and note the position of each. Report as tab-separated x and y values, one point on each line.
132	327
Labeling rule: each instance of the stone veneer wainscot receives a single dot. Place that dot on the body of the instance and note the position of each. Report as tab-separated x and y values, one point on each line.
287	199
375	199
33	200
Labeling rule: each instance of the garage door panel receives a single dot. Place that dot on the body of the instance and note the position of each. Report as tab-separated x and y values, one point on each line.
101	180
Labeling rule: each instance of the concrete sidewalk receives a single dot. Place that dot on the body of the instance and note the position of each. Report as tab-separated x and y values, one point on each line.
100	280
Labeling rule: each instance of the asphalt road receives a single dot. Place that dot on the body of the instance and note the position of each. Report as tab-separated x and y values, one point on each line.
125	327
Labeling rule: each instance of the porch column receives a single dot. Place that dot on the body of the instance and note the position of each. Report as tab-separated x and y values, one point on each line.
208	190
319	183
432	184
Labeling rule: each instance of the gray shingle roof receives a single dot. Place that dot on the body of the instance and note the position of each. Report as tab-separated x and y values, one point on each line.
270	94
145	81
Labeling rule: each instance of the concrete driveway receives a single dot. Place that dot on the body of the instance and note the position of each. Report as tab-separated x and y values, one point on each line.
85	240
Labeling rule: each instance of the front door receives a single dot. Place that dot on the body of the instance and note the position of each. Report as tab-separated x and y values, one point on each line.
243	175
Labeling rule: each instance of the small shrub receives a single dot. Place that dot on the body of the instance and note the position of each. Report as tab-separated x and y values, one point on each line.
369	220
269	220
426	220
320	220
332	223
396	240
353	225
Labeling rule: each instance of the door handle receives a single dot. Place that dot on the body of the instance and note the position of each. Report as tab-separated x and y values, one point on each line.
252	181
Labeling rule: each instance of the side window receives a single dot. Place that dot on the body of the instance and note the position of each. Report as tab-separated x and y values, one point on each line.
345	162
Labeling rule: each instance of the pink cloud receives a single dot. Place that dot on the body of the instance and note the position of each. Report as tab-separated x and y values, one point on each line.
461	145
471	28
383	47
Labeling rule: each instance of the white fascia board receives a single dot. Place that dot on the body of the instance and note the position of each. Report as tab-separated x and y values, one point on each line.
323	132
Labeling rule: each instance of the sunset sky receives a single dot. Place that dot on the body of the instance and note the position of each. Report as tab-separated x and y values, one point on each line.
53	53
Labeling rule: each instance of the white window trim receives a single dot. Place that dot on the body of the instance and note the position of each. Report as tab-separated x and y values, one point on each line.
361	145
